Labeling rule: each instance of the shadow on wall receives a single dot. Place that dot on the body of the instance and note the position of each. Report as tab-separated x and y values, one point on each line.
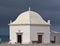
54	40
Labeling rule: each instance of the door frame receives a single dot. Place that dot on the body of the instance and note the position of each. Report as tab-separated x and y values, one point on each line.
39	33
40	40
17	36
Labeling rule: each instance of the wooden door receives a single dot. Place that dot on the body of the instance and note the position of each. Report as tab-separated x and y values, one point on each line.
39	38
19	38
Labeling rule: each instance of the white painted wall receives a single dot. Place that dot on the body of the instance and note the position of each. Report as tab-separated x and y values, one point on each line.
40	29
29	33
23	29
57	37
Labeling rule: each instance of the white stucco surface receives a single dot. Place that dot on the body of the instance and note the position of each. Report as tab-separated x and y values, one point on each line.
56	35
30	17
29	24
45	30
25	30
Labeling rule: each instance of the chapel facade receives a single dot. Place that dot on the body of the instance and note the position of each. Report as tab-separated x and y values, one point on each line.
29	27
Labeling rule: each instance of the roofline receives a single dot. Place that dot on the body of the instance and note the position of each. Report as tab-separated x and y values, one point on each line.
54	32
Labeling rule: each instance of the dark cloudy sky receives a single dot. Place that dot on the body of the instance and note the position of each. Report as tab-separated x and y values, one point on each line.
10	9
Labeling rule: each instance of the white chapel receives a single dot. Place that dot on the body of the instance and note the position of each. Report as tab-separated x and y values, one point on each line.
29	27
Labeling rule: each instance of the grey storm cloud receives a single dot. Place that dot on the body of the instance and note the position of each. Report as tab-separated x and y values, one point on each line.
48	9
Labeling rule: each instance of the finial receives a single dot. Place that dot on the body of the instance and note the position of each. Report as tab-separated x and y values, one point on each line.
10	21
29	9
49	21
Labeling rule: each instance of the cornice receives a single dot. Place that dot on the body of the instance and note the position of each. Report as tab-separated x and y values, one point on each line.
29	24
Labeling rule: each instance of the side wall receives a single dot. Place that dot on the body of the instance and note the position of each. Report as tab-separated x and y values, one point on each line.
25	30
57	37
40	29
